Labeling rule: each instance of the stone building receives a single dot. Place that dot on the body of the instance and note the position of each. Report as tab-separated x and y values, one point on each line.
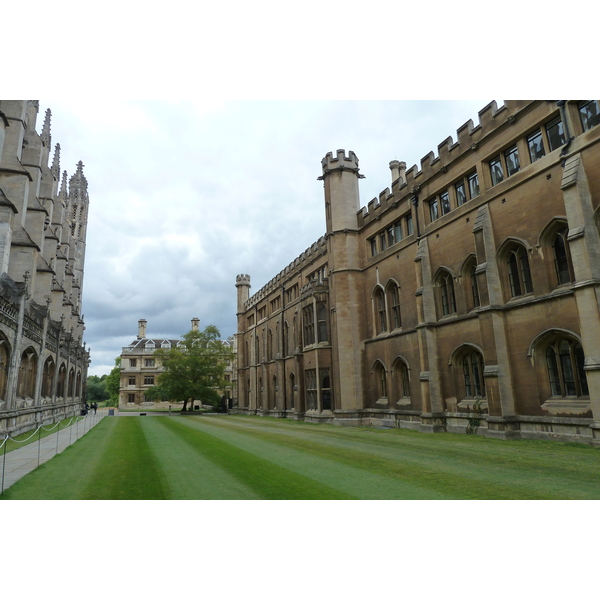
469	287
43	362
140	369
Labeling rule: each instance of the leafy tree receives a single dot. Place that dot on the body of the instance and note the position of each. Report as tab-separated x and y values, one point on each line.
96	389
113	383
194	369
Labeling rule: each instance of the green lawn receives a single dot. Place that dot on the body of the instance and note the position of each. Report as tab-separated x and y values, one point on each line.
238	458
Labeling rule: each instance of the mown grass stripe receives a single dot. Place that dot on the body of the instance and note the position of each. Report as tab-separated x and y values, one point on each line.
472	470
129	469
269	480
348	479
191	475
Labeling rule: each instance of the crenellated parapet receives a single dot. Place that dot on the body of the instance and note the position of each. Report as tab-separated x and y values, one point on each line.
339	162
242	280
319	248
492	119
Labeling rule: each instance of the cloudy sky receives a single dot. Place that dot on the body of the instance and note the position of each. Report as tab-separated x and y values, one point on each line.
185	195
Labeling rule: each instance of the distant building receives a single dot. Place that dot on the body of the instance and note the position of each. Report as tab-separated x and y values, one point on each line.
470	284
43	362
140	369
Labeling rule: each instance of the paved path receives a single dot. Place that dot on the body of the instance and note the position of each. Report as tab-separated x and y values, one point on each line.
19	462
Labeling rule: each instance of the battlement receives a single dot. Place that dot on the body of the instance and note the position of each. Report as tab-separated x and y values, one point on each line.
242	280
340	162
469	138
319	248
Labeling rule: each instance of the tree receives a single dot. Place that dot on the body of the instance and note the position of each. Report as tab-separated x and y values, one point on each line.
194	369
113	383
96	389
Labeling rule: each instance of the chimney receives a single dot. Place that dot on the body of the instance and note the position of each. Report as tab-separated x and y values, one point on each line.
142	328
195	323
398	171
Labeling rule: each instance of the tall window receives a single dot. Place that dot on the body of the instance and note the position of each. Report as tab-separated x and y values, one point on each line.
402	379
322	322
555	133
589	112
461	194
471	284
473	181
446	289
325	389
433	209
380	380
133	362
519	276
309	325
394	304
311	389
445	202
286	339
565	362
292	390
409	225
380	308
561	258
496	170
472	364
536	146
511	156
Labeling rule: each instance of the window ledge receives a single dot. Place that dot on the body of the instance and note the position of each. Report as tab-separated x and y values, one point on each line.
383	400
572	405
404	401
469	403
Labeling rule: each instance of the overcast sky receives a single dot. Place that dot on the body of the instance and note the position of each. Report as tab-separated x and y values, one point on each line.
185	195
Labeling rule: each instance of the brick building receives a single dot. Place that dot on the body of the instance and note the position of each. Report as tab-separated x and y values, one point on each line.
471	283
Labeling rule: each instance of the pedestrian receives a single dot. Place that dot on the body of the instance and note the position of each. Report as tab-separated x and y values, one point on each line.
95	407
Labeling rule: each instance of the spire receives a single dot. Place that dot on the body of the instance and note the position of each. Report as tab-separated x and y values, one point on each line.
63	187
46	137
78	185
56	162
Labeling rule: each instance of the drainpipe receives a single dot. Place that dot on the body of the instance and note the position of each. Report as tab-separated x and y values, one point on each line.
415	200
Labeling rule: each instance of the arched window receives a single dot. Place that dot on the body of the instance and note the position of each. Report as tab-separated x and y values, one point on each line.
62	376
519	275
270	345
445	286
471	286
394	304
325	390
292	391
27	371
48	377
286	339
274	391
309	325
380	380
565	363
381	316
472	364
257	348
4	361
562	259
401	379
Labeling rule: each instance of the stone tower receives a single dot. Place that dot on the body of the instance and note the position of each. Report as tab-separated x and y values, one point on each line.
340	179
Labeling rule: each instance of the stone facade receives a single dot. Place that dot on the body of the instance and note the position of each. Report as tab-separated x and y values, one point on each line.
140	369
43	362
469	289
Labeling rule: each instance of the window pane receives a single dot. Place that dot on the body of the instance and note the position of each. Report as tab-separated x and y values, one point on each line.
398	231
556	136
467	377
589	111
445	202
580	363
433	209
373	247
553	372
496	170
391	233
513	276
382	245
409	225
474	287
536	146
564	352
512	160
525	274
560	260
473	185
461	195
